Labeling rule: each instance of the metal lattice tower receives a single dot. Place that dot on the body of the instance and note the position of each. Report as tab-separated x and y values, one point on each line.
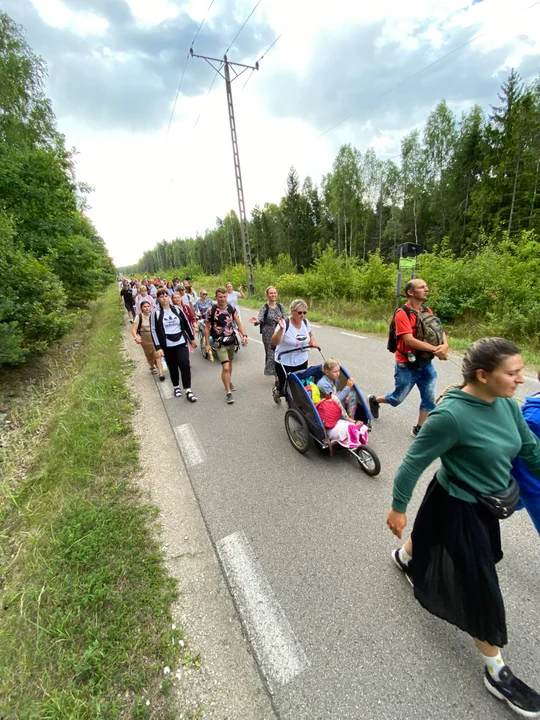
227	66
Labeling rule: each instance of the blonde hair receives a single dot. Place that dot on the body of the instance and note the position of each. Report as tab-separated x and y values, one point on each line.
270	287
297	304
329	365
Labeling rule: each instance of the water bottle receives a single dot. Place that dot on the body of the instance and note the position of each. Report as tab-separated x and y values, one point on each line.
211	355
411	357
163	364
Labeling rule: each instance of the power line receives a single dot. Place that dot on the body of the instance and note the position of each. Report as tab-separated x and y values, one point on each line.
184	69
411	77
227	50
244	25
266	53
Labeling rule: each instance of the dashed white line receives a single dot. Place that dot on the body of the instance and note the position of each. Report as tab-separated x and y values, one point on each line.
190	447
278	651
360	337
255	340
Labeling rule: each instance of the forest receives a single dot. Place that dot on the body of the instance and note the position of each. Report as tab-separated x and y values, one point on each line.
466	188
458	182
52	261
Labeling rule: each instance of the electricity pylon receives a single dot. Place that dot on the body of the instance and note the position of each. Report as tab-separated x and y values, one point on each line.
226	65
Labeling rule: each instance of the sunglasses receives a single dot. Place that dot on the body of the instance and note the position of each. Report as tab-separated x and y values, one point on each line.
301	312
204	294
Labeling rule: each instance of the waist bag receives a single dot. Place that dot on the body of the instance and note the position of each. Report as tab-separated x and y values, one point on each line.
501	505
175	337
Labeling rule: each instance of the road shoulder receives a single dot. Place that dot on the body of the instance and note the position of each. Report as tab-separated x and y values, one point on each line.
227	686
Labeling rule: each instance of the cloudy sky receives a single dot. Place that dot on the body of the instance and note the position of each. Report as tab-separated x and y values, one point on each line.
115	66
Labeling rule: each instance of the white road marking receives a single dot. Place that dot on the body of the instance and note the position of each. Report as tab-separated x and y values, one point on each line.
166	388
316	326
251	339
360	337
278	651
190	447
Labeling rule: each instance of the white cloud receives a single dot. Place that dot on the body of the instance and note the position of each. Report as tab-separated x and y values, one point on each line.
55	13
136	204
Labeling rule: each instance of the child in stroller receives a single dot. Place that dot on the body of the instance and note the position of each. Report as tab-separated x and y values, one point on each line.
346	431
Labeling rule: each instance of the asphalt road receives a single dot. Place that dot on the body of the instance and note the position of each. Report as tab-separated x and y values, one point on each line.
303	541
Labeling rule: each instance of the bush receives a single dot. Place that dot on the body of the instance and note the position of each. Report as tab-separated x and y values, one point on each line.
32	303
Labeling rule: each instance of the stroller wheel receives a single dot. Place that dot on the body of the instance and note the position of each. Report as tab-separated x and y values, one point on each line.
368	460
297	430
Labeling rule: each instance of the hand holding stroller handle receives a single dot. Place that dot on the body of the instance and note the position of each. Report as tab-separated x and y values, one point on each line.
302	348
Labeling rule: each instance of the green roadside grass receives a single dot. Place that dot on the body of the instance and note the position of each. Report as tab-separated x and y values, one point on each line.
374	319
86	629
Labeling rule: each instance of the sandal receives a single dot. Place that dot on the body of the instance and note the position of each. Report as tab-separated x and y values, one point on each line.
177	392
162	378
153	370
190	396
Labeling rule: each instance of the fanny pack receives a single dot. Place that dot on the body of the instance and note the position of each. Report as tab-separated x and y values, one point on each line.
501	505
226	340
175	337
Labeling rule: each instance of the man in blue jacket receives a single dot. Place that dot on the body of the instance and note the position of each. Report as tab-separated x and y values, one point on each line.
529	483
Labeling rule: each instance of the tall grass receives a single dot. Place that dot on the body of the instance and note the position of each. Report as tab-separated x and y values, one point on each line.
86	627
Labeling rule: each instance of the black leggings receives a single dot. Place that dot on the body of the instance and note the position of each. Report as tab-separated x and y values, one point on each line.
178	357
283	370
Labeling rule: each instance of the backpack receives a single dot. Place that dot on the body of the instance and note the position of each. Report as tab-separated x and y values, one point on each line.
265	316
428	329
288	322
229	339
329	411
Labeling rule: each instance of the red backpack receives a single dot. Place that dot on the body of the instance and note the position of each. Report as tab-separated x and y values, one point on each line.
329	412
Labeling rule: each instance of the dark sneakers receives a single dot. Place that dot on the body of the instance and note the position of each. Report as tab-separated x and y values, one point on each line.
415	430
405	569
522	699
373	406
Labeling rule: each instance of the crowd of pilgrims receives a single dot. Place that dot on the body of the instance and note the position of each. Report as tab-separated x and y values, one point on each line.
488	448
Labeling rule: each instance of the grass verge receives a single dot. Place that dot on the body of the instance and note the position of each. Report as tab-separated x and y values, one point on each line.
86	629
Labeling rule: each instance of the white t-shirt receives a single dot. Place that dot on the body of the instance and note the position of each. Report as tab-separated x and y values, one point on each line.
293	338
232	299
186	299
172	326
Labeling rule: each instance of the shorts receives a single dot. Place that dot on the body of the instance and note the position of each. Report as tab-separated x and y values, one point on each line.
405	379
225	353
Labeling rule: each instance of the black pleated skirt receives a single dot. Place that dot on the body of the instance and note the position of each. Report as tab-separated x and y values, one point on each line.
456	545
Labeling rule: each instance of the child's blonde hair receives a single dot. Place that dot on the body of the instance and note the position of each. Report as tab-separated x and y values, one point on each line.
329	365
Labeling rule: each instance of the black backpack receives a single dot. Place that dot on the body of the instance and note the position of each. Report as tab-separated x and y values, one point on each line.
391	345
265	316
230	339
288	321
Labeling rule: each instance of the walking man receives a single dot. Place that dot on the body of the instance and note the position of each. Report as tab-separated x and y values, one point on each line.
414	353
219	325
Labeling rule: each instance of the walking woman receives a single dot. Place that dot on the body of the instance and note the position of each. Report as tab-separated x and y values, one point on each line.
143	336
267	319
293	333
476	431
177	299
172	334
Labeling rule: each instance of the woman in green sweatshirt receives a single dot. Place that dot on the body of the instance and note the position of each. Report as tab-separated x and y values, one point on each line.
476	431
